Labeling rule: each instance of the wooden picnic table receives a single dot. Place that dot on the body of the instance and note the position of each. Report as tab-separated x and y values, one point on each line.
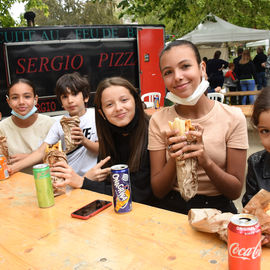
145	238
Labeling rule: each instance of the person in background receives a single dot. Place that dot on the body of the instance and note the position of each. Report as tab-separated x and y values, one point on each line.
258	174
259	61
214	71
122	128
231	82
246	73
267	68
25	129
72	91
205	59
236	62
239	55
221	136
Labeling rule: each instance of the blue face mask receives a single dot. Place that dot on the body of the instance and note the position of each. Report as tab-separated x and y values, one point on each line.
23	117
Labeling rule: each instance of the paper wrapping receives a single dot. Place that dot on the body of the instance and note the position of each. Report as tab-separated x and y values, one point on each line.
210	220
186	169
4	148
213	221
187	178
67	124
257	207
51	158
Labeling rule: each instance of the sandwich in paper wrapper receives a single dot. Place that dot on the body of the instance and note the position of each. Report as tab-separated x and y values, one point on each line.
4	148
55	154
186	170
67	124
213	221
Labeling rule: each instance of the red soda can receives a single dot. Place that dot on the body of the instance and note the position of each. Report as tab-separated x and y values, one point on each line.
244	242
121	188
3	168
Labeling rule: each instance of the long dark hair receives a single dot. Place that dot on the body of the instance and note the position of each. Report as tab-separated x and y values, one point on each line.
137	137
262	103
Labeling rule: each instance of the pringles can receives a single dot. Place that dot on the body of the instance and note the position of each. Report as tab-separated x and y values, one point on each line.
244	242
43	184
3	168
121	188
156	102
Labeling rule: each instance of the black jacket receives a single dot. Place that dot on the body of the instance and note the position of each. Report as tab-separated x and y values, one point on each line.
246	71
141	190
214	72
258	175
258	60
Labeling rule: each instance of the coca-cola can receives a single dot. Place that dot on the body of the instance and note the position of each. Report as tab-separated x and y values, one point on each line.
121	188
244	242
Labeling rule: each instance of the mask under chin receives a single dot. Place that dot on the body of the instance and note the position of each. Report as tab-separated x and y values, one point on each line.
23	117
193	98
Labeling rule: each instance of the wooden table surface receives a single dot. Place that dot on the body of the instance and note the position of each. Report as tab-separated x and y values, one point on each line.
145	238
241	93
246	109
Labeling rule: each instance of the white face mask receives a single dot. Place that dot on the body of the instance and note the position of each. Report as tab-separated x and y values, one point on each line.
193	99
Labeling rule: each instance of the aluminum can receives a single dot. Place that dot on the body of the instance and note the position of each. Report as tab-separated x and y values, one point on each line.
121	188
156	102
3	168
43	184
244	242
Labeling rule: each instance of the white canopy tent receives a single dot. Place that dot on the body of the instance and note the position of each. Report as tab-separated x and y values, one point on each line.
215	30
264	42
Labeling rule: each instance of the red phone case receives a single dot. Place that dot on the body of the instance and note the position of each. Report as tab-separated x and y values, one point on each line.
92	214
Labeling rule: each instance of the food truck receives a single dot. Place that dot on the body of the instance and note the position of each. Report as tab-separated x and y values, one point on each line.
43	54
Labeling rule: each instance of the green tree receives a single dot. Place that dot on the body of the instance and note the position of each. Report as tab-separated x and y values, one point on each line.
77	12
182	16
5	18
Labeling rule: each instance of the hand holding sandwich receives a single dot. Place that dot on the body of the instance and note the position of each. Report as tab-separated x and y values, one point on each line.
181	146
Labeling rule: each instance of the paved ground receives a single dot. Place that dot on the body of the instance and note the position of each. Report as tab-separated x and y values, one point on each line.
254	146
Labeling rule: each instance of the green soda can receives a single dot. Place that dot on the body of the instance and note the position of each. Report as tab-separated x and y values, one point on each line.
44	187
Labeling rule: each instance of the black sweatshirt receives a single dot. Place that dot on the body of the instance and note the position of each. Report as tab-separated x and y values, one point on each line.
140	180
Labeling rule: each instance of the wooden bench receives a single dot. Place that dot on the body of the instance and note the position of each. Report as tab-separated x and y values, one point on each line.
242	93
246	109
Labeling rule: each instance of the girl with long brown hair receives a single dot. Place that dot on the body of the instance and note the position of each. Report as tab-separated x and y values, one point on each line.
247	75
122	128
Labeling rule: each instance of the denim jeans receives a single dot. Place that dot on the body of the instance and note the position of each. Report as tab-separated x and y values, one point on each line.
247	85
261	80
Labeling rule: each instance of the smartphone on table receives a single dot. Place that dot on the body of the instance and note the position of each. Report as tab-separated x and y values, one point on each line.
91	209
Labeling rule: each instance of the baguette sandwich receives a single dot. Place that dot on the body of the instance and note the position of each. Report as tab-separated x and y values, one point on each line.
67	124
186	169
4	148
54	154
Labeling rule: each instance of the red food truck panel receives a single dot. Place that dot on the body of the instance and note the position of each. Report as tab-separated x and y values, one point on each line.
150	43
